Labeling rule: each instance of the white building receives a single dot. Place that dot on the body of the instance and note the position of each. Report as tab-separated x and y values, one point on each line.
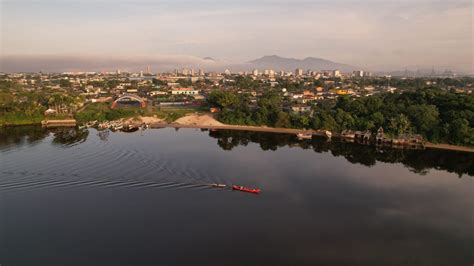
185	91
299	72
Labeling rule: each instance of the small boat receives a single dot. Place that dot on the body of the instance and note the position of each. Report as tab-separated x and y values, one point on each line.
244	189
304	136
328	134
129	128
218	185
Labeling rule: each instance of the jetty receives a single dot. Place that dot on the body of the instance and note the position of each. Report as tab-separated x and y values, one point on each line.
59	123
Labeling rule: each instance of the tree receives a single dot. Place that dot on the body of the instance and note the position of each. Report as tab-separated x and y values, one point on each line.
282	120
399	124
424	118
461	133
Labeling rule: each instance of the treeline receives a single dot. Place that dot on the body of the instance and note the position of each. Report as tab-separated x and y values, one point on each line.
438	115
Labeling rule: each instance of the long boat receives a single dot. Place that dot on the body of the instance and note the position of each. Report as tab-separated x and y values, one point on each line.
245	189
304	135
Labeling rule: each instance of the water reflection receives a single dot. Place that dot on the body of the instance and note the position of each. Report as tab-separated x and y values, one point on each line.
417	161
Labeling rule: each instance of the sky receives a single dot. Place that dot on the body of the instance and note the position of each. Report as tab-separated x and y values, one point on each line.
383	34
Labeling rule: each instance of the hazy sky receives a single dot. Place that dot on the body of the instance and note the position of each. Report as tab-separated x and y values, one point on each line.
367	33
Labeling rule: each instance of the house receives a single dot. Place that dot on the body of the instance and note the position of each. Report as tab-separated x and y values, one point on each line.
344	92
156	93
102	100
380	135
297	96
348	134
185	91
50	112
198	97
300	108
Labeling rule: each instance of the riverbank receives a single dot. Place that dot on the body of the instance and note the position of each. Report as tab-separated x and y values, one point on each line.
448	147
207	121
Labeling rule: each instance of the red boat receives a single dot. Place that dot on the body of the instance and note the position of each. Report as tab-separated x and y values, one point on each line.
244	189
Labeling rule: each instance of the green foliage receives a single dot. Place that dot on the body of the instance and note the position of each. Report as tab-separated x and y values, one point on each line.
102	112
438	115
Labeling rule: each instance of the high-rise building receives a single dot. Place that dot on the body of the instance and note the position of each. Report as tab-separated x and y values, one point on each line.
358	73
336	73
192	72
255	72
282	73
227	72
299	72
271	73
148	69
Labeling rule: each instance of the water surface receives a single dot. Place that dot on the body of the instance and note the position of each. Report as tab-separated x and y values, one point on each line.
71	197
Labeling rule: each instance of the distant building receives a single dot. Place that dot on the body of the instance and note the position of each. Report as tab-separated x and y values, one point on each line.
358	73
185	91
300	108
299	72
336	73
255	72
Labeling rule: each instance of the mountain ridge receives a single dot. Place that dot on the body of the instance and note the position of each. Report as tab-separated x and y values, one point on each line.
277	62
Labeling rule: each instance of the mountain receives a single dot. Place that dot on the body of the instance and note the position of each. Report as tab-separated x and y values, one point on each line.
290	64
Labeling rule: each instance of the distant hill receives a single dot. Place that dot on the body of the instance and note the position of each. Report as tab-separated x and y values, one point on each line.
290	64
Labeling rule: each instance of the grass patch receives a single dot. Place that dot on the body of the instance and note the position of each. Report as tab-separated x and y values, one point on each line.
102	112
19	119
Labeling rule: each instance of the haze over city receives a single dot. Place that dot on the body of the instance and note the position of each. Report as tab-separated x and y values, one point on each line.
104	35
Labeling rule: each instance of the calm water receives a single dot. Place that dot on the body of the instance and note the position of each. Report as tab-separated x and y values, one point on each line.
90	198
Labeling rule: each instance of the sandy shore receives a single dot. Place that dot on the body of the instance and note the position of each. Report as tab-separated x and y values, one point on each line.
144	119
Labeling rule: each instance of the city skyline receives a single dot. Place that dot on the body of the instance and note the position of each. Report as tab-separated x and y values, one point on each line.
375	35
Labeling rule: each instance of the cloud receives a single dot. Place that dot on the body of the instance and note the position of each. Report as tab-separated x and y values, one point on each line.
363	33
59	63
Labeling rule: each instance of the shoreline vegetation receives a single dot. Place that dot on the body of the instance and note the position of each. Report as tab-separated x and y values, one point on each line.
208	121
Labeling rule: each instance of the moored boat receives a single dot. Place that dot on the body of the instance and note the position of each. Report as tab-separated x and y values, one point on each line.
304	136
245	189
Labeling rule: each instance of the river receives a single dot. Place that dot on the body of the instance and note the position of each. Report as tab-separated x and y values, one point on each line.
70	197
